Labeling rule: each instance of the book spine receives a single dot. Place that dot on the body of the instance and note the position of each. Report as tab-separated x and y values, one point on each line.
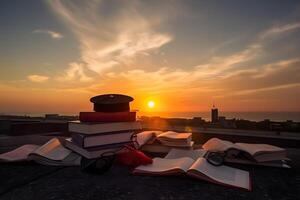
78	139
104	133
109	146
107	117
102	147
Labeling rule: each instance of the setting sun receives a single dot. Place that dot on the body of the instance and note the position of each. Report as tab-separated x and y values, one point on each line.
151	104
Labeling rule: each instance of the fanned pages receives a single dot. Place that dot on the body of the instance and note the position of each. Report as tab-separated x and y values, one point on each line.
19	154
145	136
222	175
198	168
162	142
199	153
161	166
51	153
257	152
171	138
52	150
179	153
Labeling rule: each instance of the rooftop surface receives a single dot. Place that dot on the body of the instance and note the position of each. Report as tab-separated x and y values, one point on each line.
33	181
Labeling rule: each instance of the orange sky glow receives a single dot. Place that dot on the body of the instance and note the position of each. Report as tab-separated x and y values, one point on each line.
183	56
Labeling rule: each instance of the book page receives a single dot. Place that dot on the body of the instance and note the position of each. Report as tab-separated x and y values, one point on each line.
276	163
179	153
216	144
221	174
145	136
161	165
18	154
178	144
157	133
53	150
171	135
259	148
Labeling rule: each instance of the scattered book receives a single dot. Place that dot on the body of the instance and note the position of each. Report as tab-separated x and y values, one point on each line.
199	169
95	152
51	153
147	137
197	153
163	142
275	163
95	128
179	153
157	147
174	139
94	140
107	116
253	152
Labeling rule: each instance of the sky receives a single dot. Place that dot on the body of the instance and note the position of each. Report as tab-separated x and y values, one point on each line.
183	55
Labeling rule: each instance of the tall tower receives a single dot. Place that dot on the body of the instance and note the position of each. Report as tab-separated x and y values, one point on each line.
214	114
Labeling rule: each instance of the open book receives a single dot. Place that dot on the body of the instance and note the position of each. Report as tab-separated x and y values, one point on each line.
163	142
171	138
254	152
196	166
51	153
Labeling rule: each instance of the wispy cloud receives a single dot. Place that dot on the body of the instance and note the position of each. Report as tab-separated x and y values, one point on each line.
219	67
75	72
37	78
53	34
106	42
264	89
269	69
279	29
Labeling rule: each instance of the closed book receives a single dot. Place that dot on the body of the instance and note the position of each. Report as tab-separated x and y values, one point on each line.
95	152
107	117
92	140
95	128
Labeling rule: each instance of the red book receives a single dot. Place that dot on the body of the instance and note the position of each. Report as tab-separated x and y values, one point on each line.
107	117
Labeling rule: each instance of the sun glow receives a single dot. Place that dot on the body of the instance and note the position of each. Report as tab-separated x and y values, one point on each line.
151	104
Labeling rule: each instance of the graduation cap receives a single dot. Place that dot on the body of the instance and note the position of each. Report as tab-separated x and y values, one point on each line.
111	103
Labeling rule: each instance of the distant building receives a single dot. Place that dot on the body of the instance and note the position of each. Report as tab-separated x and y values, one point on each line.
51	116
214	115
227	123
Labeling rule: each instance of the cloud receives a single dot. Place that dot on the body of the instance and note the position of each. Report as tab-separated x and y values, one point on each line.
108	41
278	30
109	44
219	67
265	89
53	34
37	78
75	72
272	68
114	37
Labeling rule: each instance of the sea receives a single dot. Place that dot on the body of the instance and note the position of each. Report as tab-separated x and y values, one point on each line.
253	116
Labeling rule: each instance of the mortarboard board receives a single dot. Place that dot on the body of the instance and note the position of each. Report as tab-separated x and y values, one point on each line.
111	103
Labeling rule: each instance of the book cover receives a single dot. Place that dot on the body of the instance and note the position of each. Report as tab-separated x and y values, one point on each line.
96	128
107	117
86	141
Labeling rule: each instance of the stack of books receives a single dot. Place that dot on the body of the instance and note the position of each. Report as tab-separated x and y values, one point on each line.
163	142
106	130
